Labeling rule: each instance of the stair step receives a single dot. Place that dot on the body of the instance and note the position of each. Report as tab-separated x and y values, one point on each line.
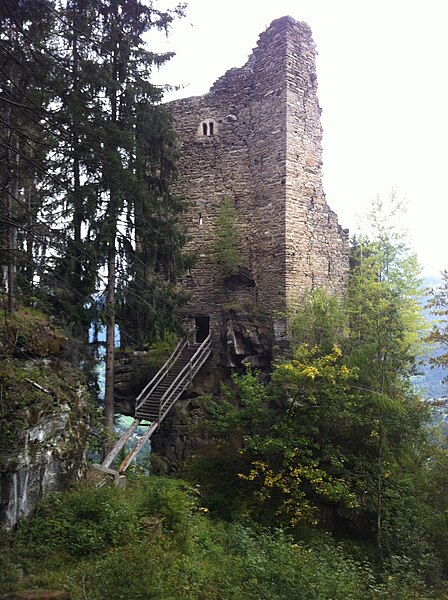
148	416
150	409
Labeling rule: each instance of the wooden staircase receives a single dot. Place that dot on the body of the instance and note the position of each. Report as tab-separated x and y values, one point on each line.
157	398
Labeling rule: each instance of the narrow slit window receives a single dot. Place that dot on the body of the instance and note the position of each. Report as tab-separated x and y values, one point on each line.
200	218
204	128
211	126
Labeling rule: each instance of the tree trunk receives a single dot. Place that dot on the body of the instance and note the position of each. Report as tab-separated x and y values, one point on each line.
77	198
379	498
111	264
110	350
30	267
13	192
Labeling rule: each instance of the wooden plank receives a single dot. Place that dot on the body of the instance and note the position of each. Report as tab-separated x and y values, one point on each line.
120	444
133	453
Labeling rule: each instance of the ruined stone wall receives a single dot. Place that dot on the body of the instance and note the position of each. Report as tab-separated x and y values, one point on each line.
316	249
255	139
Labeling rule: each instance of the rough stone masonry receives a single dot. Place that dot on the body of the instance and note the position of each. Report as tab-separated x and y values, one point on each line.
255	140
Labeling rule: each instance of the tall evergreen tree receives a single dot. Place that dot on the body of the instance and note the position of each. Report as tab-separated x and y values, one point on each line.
124	82
147	304
87	158
24	61
77	102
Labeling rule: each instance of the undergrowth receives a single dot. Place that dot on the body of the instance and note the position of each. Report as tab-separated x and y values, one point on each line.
153	541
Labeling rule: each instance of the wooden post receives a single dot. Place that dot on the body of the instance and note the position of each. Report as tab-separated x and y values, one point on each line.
120	444
133	453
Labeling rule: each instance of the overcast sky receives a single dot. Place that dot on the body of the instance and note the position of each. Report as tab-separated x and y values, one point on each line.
382	74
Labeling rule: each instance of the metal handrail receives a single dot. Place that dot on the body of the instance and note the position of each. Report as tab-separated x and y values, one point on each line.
168	399
149	388
187	373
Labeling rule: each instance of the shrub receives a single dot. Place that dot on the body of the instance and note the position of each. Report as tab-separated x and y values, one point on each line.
169	499
161	349
100	543
81	523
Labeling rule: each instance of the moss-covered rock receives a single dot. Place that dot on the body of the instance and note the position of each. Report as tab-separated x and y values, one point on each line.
44	416
29	332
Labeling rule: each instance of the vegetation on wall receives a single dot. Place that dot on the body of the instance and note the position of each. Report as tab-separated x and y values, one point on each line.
226	245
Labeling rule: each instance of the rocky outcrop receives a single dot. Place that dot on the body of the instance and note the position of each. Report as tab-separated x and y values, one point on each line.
133	370
29	333
44	416
247	337
49	455
181	433
248	340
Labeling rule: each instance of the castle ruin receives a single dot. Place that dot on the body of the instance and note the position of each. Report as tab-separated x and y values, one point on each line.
254	140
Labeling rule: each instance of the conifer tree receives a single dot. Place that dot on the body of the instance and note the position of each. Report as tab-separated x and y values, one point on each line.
93	157
147	304
76	84
24	59
125	83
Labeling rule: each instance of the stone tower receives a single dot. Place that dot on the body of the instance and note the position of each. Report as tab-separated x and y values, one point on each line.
255	140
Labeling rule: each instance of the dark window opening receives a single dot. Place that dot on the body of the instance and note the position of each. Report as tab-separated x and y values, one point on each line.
211	127
204	129
202	325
